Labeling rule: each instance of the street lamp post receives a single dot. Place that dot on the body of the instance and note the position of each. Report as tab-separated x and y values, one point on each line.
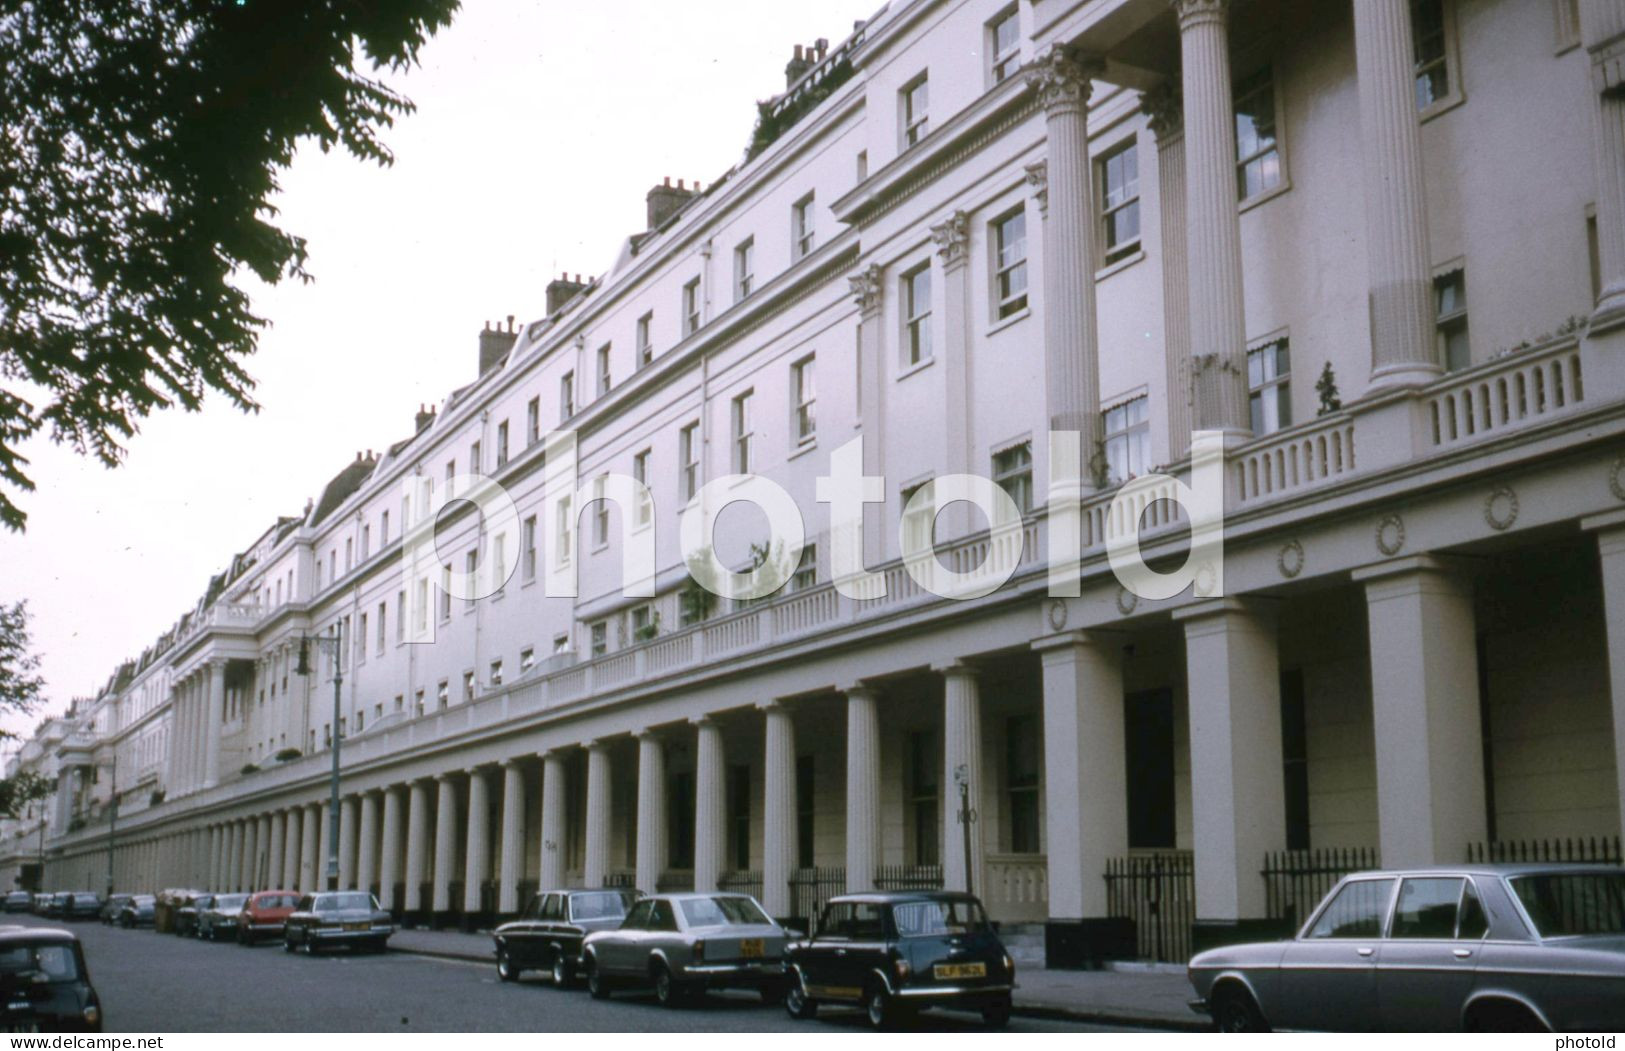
336	641
966	816
112	822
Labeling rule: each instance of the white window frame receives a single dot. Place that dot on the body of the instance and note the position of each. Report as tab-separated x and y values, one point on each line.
1449	58
527	533
740	430
744	269
1277	141
922	518
1003	476
917	348
644	513
1134	433
1269	385
645	339
803	226
600	512
1108	209
567	395
1001	64
606	375
688	459
693	307
1447	321
563	528
1007	269
804	400
914	110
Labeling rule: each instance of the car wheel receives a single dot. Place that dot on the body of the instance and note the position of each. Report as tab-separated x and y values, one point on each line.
505	968
666	991
1235	1012
597	984
797	1004
997	1014
878	1007
562	977
1503	1018
287	944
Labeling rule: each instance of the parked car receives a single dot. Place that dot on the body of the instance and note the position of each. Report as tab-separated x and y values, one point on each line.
265	914
111	907
342	917
19	901
895	953
219	919
1510	948
82	905
44	986
682	944
138	911
186	916
549	934
48	904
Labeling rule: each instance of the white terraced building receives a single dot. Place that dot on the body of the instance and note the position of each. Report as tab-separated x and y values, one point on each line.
1379	246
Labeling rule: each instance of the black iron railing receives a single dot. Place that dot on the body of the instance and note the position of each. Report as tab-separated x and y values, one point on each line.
741	883
1157	892
673	880
1603	850
1296	880
909	877
810	888
621	880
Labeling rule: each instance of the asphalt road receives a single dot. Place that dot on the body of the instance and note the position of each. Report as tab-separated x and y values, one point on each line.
157	983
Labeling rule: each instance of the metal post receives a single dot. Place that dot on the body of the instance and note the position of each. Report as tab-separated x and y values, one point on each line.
333	792
966	816
112	823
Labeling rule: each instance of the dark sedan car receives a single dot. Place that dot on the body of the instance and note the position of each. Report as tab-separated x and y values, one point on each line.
43	983
191	909
19	901
139	911
219	920
341	917
549	934
82	905
899	952
1509	948
112	907
683	944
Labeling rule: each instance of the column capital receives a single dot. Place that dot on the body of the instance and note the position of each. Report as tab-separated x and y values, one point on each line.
1607	522
643	733
867	287
955	667
1038	180
1249	606
1441	566
700	722
952	237
1164	107
1048	645
1062	77
859	688
777	704
597	744
1191	12
510	762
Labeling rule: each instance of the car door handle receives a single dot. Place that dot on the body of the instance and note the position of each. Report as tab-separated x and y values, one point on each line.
1365	950
1462	954
840	952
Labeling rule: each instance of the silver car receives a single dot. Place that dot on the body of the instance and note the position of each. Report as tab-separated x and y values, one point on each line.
1486	948
683	944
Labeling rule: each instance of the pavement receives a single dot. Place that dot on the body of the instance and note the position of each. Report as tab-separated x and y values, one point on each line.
1137	996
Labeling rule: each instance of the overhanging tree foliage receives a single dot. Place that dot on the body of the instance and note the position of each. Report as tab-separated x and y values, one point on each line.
21	689
141	145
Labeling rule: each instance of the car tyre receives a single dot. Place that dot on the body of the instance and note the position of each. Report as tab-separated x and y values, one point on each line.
797	1004
1504	1018
505	968
667	992
563	976
996	1015
1235	1011
879	1008
597	983
287	944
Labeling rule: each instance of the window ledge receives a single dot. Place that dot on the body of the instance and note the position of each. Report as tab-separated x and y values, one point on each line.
917	367
1014	319
802	449
1122	264
1263	198
1439	107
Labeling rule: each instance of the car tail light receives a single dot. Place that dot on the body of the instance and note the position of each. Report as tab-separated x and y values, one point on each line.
1009	966
699	950
92	1014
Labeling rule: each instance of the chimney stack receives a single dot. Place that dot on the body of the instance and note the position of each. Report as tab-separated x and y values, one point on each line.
425	417
495	341
561	290
666	201
797	67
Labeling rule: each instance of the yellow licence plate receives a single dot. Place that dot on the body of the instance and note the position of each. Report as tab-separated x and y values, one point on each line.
362	926
946	971
752	948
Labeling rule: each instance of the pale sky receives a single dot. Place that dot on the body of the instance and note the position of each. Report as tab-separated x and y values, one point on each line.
540	127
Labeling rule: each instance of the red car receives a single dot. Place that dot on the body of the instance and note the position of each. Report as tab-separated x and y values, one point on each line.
264	914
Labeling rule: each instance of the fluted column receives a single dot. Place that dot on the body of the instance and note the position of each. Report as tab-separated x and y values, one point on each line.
212	700
367	850
215	876
868	290
1602	29
778	808
327	873
234	857
862	787
274	848
961	758
952	238
290	846
417	845
262	859
389	861
1167	124
553	818
595	866
174	769
310	829
477	860
445	842
196	735
513	837
1400	285
710	804
1213	231
251	843
347	843
651	849
1071	338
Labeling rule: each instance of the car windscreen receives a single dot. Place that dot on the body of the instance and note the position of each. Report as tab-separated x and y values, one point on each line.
605	906
57	962
230	902
1562	904
722	912
916	919
344	902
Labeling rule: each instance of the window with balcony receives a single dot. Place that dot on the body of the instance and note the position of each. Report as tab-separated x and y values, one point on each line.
804	421
1450	319
442	695
496	672
527	659
802	226
468	686
1120	203
917	315
600	638
1010	264
806	574
1013	472
919	519
1004	45
916	100
1269	375
1258	153
1128	440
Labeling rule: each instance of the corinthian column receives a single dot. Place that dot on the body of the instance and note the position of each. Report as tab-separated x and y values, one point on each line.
1071	341
1602	28
651	847
710	810
213	697
779	809
1395	206
862	788
1167	124
1213	232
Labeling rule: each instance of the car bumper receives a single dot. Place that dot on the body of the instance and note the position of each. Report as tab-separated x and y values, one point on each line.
751	975
1199	1006
337	936
960	994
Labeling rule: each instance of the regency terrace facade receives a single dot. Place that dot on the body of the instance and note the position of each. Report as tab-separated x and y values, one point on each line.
1378	247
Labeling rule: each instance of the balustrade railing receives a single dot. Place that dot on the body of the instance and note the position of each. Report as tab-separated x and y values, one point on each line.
1514	391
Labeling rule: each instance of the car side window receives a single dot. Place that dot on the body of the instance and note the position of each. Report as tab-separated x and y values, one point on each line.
663	917
638	918
833	927
1357	910
1427	907
1473	922
553	907
868	923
